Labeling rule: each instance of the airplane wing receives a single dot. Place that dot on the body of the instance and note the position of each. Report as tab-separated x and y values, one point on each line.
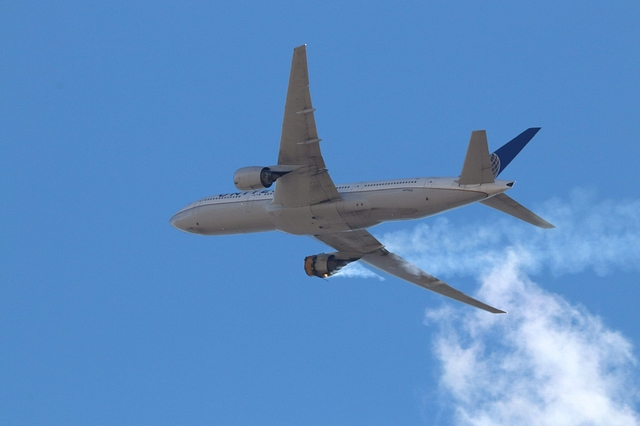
309	183
362	243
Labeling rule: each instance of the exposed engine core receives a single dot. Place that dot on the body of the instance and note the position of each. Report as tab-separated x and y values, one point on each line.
324	265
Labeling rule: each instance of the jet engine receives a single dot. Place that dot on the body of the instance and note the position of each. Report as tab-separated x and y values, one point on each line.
324	265
258	177
255	177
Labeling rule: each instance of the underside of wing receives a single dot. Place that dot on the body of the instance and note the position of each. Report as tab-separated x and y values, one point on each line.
395	265
358	242
371	251
300	145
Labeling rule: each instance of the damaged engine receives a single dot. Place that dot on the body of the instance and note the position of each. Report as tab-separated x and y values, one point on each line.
326	264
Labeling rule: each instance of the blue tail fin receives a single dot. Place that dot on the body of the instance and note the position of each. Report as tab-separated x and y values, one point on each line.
503	155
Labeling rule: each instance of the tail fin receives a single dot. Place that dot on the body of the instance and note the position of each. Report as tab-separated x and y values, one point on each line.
503	155
479	168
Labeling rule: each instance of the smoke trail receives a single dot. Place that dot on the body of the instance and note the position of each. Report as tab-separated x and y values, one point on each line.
601	235
356	270
548	361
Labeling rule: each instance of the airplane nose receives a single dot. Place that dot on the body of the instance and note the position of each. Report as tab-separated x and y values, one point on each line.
174	221
179	221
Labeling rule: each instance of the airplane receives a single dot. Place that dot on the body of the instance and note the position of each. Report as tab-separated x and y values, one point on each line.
305	200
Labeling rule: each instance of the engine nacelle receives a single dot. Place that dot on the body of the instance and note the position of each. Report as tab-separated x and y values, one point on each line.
255	177
324	265
258	177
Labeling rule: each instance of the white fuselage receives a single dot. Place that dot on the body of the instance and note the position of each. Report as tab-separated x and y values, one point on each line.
362	205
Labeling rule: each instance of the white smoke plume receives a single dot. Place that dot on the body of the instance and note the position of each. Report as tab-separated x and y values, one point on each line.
601	235
547	362
356	270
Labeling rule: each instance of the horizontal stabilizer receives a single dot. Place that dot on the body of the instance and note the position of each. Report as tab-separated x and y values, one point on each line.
503	156
508	205
477	164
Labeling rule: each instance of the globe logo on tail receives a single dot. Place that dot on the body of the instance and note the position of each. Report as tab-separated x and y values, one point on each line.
495	165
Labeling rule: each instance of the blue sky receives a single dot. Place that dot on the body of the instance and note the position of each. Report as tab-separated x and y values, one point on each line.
116	115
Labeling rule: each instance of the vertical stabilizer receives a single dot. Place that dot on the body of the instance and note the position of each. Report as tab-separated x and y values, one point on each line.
503	156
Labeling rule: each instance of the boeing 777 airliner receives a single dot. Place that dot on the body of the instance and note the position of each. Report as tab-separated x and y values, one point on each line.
305	200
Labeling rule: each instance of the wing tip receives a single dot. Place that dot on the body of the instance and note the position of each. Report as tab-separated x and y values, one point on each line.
547	225
488	308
